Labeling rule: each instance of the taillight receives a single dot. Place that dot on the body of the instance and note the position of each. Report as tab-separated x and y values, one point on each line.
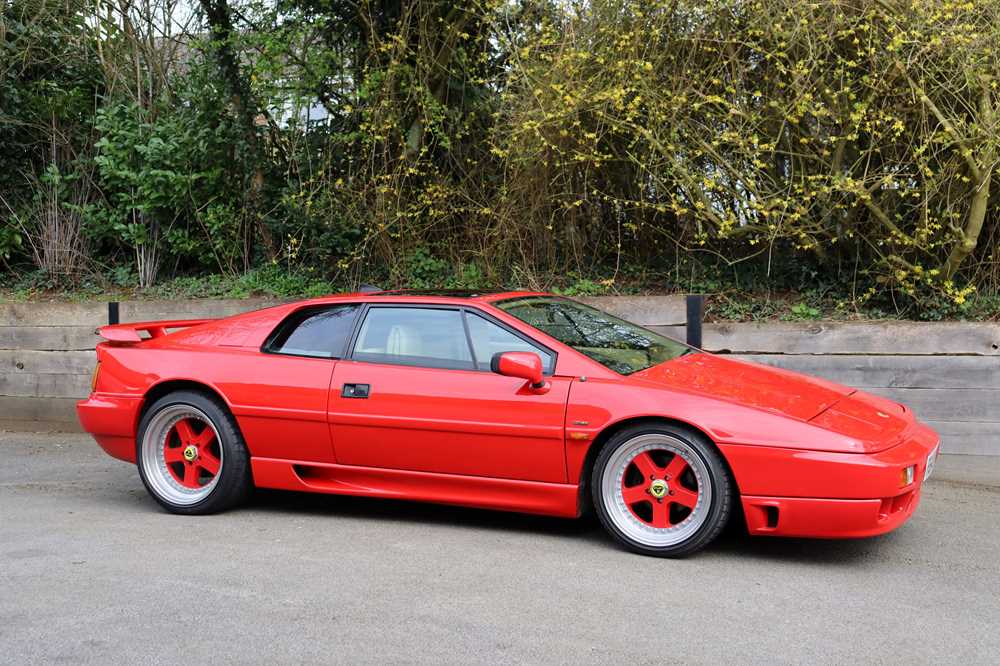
93	380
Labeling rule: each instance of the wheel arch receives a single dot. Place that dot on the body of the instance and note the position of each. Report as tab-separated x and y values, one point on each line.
168	386
610	430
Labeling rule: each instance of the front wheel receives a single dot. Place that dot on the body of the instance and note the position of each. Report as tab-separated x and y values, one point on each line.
661	489
191	456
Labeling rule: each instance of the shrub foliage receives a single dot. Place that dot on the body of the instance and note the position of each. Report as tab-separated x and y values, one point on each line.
844	143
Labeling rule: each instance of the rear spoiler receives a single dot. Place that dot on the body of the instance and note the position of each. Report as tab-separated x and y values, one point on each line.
132	333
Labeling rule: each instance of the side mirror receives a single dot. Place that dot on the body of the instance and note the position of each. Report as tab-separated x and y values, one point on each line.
526	365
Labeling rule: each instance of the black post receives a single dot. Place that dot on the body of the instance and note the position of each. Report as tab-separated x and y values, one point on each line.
113	312
695	315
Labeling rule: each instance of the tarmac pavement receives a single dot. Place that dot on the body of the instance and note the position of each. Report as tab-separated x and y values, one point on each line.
92	571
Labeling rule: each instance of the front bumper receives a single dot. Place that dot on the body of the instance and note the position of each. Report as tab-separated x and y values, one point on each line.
827	518
111	419
821	494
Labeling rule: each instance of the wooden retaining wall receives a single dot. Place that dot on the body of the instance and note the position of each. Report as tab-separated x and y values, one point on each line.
949	373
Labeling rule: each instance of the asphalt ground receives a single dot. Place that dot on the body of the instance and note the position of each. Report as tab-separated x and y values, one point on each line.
92	571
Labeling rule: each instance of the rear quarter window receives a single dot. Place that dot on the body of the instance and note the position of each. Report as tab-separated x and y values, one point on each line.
316	332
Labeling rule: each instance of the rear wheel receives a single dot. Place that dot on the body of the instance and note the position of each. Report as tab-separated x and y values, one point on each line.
661	489
191	456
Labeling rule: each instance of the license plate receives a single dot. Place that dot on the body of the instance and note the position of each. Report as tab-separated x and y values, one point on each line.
931	459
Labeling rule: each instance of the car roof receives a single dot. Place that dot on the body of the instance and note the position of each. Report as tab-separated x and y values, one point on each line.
452	293
426	296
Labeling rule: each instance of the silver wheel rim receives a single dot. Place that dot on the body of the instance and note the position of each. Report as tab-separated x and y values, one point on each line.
625	519
153	458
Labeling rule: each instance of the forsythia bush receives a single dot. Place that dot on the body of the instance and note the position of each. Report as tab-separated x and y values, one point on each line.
831	131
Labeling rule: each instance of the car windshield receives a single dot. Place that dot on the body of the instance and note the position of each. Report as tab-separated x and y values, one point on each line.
613	342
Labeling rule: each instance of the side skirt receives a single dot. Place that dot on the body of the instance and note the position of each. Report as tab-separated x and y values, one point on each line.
551	499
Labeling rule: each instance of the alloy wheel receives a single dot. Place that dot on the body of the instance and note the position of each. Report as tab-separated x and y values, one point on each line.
656	490
182	454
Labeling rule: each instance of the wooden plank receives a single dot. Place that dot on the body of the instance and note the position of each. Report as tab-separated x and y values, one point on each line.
48	362
864	371
977	405
203	308
44	385
48	338
53	313
45	410
969	437
95	313
642	310
887	337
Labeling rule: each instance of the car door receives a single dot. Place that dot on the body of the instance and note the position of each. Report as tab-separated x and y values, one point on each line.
280	397
416	394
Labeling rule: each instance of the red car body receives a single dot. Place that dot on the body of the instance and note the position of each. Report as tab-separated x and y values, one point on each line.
809	457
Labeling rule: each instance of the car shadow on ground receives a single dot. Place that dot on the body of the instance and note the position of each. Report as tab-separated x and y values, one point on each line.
373	509
734	541
738	542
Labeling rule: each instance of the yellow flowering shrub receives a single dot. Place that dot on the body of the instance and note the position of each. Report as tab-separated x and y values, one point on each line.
832	131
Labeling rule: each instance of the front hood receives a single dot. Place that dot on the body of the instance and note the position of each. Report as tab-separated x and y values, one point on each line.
871	422
875	422
760	386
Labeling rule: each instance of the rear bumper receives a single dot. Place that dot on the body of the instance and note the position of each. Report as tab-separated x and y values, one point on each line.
111	419
821	494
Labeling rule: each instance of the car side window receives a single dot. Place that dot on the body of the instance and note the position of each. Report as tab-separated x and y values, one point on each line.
426	337
489	338
317	332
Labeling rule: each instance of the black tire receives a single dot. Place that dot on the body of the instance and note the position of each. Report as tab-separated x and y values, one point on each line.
711	519
234	482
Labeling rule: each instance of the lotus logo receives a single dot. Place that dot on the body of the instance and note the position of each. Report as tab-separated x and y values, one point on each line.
658	488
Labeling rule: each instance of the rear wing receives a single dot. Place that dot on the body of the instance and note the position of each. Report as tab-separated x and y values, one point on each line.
145	330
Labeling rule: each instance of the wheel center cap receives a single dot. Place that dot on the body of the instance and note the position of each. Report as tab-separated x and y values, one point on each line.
190	452
658	488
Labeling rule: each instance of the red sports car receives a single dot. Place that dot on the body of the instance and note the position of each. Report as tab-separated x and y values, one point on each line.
519	401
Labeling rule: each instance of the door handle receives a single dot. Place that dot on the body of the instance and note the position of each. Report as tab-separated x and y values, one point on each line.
355	391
